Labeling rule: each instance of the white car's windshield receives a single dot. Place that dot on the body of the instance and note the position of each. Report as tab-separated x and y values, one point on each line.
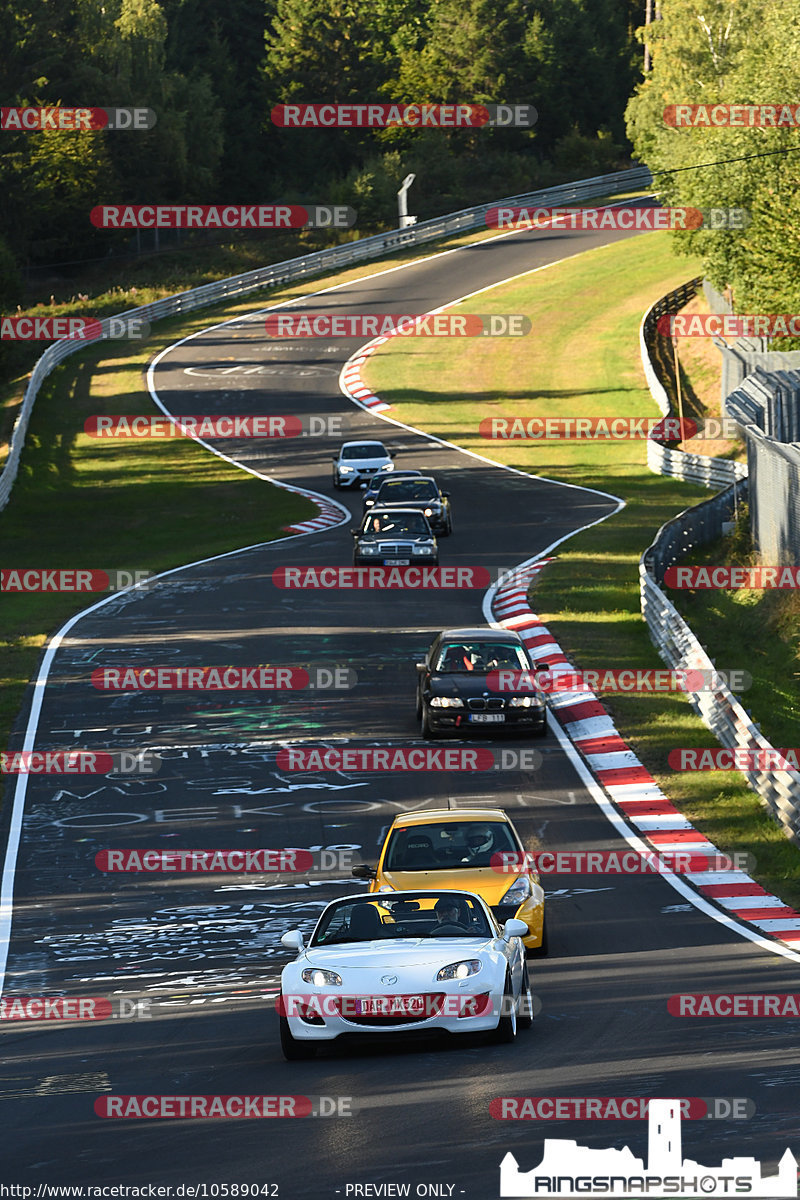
365	450
412	916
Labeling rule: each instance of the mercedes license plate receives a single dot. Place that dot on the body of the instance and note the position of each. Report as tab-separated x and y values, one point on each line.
396	562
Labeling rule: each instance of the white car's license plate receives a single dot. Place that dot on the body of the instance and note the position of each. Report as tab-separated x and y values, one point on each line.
396	562
390	1006
486	718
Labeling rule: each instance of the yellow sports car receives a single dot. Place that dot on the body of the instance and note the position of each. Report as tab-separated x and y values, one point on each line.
475	850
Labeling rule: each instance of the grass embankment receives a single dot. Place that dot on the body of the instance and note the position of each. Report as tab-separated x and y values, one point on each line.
582	359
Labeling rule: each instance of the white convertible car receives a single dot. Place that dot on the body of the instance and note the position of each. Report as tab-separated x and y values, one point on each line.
402	962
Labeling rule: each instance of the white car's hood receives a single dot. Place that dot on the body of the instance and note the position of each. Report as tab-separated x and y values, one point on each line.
394	954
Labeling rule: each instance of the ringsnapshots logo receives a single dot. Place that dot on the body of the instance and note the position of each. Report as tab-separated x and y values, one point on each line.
410	116
568	1170
137	427
223	679
638	220
222	216
79	762
76	329
732	116
290	860
76	120
73	579
415	759
369	325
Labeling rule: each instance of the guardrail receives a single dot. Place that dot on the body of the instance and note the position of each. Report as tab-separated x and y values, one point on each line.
721	712
692	468
309	264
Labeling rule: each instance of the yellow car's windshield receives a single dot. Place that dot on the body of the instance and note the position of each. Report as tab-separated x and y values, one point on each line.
448	846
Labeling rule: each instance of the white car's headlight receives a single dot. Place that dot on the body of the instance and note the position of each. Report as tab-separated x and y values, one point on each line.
387	467
345	470
460	970
520	890
321	978
447	702
423	550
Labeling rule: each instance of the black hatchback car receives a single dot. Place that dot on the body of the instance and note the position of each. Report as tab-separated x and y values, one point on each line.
479	679
394	537
424	494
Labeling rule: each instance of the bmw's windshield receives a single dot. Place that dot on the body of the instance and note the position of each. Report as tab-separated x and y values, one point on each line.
464	657
412	915
407	489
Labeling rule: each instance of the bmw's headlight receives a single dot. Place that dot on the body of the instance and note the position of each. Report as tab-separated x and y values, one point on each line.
321	978
520	890
460	970
447	702
424	550
431	509
524	702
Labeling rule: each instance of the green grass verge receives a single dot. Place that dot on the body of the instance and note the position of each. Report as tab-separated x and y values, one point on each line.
582	359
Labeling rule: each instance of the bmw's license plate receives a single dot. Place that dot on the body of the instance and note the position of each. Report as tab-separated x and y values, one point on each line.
487	718
396	562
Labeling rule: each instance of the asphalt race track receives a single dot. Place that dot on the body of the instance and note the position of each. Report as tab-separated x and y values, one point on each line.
200	954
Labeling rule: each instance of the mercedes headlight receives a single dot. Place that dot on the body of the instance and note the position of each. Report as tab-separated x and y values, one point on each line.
460	970
424	550
520	890
321	978
369	548
447	702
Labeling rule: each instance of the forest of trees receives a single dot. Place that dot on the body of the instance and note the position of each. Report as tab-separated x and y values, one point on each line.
742	52
213	71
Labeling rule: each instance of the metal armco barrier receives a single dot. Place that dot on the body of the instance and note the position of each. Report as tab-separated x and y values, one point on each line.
719	710
311	264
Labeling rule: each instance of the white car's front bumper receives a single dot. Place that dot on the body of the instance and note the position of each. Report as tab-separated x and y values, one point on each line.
329	1023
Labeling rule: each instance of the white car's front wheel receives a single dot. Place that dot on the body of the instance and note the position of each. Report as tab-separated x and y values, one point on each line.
506	1030
293	1050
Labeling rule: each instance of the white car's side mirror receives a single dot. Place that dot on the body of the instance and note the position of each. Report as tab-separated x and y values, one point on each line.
293	940
512	928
